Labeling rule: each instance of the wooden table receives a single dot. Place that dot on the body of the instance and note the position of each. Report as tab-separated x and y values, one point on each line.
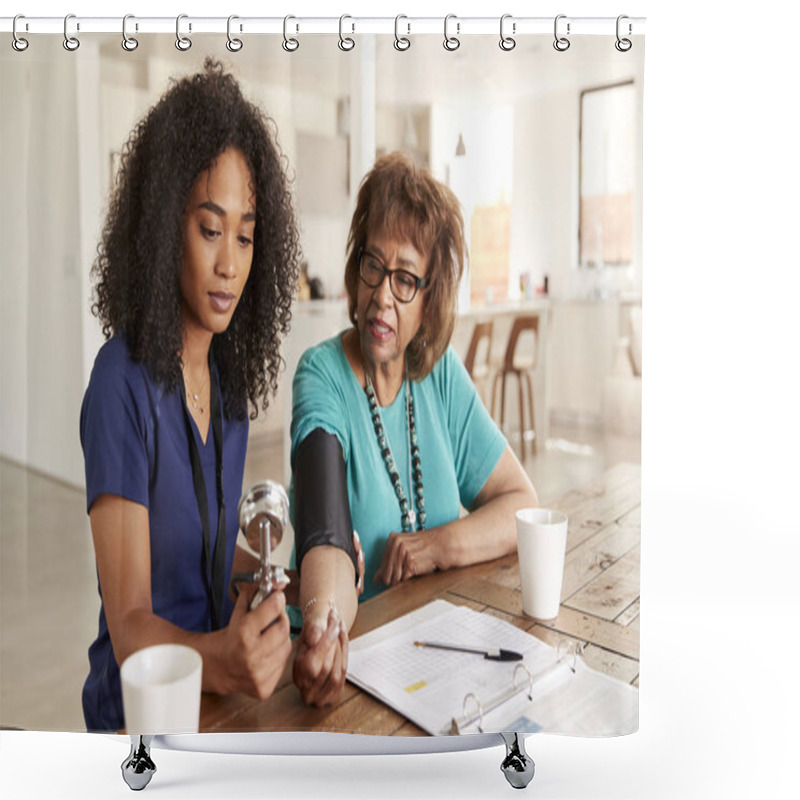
599	610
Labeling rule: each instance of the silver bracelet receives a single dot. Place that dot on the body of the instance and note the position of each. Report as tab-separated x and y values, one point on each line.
312	602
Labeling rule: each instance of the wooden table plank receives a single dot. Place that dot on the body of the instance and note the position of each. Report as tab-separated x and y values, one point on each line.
596	555
617	638
612	591
599	512
613	664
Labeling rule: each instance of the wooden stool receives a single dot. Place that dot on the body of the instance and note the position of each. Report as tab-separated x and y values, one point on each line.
519	365
478	367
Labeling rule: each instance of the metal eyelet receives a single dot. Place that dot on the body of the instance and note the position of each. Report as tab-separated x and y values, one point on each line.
18	43
71	43
623	45
507	43
289	44
233	44
401	43
345	42
129	43
560	43
183	43
451	43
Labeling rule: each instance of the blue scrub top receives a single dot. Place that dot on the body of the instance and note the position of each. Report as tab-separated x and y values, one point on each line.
459	442
135	446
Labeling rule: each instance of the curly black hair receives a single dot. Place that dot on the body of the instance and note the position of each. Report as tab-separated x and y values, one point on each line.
139	257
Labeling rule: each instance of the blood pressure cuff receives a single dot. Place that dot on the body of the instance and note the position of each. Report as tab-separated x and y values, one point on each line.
321	505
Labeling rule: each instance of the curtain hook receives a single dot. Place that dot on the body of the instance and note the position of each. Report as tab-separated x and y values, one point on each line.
623	45
233	44
289	44
451	43
507	43
18	43
401	42
561	43
345	42
129	43
70	43
183	43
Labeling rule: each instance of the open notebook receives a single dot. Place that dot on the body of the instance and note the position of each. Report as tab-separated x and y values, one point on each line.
453	692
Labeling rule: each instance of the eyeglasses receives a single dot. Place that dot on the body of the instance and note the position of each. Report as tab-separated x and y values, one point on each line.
404	284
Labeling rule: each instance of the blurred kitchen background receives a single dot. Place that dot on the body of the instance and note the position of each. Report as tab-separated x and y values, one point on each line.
544	150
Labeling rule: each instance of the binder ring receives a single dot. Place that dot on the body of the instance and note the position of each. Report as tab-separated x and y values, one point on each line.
569	647
561	43
451	43
289	44
401	42
183	43
530	679
234	45
18	43
129	43
345	42
70	43
623	45
507	43
480	709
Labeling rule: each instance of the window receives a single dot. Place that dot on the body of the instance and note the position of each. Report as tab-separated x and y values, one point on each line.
607	175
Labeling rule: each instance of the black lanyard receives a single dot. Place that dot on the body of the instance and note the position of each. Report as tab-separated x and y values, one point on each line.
215	584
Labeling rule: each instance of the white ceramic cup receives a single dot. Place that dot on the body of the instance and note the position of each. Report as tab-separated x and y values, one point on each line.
541	544
161	688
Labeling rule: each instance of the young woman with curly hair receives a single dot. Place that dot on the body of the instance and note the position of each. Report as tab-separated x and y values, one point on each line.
195	274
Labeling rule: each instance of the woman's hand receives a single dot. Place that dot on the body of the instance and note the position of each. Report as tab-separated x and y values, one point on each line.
320	666
407	555
255	646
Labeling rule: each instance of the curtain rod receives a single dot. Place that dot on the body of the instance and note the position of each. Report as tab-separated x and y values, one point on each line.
348	25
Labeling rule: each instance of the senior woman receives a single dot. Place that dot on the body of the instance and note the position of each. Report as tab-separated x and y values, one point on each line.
389	435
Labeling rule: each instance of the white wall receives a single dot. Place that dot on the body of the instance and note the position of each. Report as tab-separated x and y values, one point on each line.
40	265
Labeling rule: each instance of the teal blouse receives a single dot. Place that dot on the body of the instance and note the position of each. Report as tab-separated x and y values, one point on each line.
459	442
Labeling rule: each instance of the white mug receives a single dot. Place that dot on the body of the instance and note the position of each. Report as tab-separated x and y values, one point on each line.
541	545
161	688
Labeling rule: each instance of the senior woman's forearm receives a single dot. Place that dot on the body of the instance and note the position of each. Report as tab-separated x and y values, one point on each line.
487	533
490	530
328	575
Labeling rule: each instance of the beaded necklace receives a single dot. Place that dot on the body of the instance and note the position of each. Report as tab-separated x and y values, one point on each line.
408	517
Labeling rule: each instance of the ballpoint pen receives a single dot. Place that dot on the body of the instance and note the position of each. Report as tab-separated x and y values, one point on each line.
491	653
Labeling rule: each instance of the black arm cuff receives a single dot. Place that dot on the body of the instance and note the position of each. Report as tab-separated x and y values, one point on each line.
321	505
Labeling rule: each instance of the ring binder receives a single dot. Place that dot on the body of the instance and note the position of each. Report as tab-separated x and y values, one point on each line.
234	45
561	43
459	724
183	43
71	43
129	43
507	43
345	42
451	43
401	42
17	42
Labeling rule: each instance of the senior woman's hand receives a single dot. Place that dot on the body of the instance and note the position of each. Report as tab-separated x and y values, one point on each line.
407	555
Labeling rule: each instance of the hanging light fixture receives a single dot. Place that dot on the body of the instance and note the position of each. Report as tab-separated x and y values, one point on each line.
460	149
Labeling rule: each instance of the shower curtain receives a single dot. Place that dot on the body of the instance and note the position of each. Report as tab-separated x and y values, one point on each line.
540	140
